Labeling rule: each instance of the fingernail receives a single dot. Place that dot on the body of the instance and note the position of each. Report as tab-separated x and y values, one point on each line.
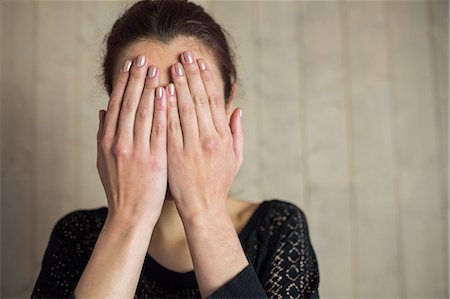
179	69
202	64
140	60
171	89
126	66
159	92
188	57
240	113
152	71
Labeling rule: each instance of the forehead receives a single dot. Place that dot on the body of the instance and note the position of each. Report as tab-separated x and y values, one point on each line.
165	55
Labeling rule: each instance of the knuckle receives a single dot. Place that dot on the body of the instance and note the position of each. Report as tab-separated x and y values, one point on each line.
160	106
188	110
192	70
105	144
159	128
136	74
200	99
128	105
210	144
122	79
174	126
216	101
143	112
181	82
113	104
121	151
207	76
149	84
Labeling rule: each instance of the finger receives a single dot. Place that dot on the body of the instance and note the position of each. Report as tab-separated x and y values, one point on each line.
100	132
198	95
237	129
186	108
115	102
144	112
217	103
174	134
131	98
101	122
158	138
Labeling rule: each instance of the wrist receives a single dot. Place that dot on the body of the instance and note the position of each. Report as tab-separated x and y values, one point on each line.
130	223
190	210
205	217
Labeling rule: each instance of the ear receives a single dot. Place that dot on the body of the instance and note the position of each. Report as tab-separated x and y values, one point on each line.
230	104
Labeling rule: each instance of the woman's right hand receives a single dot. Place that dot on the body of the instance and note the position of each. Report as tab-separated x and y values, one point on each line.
131	144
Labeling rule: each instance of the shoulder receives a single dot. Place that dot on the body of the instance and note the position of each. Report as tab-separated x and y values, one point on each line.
80	224
281	216
82	217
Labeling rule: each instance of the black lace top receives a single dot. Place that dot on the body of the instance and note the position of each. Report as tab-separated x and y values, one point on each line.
282	262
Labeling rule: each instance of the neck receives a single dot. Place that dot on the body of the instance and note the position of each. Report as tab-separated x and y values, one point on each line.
169	226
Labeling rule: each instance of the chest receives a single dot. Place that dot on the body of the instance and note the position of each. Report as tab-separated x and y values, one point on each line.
175	257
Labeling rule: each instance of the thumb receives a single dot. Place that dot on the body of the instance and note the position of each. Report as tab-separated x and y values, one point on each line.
237	129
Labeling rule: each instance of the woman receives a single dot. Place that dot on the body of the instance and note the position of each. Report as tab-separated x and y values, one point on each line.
169	147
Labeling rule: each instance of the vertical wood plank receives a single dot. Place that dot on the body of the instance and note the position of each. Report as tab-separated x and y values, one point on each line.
237	18
327	147
278	93
415	129
438	15
56	99
17	147
438	21
378	256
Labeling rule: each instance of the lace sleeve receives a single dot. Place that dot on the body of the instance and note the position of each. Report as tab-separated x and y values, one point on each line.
60	268
292	269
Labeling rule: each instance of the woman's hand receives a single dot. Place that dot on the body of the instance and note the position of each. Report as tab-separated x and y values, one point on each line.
204	151
131	144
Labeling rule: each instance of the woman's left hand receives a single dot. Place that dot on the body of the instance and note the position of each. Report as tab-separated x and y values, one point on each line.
204	152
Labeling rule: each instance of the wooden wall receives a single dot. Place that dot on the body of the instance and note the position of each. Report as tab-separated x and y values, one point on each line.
346	115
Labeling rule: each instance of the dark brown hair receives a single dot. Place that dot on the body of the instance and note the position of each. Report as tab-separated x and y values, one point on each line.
164	20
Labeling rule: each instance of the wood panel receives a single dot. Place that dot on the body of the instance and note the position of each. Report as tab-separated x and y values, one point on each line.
327	145
56	94
438	22
378	257
417	153
278	91
17	106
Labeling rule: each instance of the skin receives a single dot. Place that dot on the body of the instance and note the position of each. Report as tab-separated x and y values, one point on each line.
155	135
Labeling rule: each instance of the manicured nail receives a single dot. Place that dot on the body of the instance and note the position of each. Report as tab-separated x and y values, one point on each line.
140	60
202	64
240	113
126	66
152	71
179	69
188	57
159	92
171	89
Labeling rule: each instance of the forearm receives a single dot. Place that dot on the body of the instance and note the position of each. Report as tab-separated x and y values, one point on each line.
215	249
116	262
